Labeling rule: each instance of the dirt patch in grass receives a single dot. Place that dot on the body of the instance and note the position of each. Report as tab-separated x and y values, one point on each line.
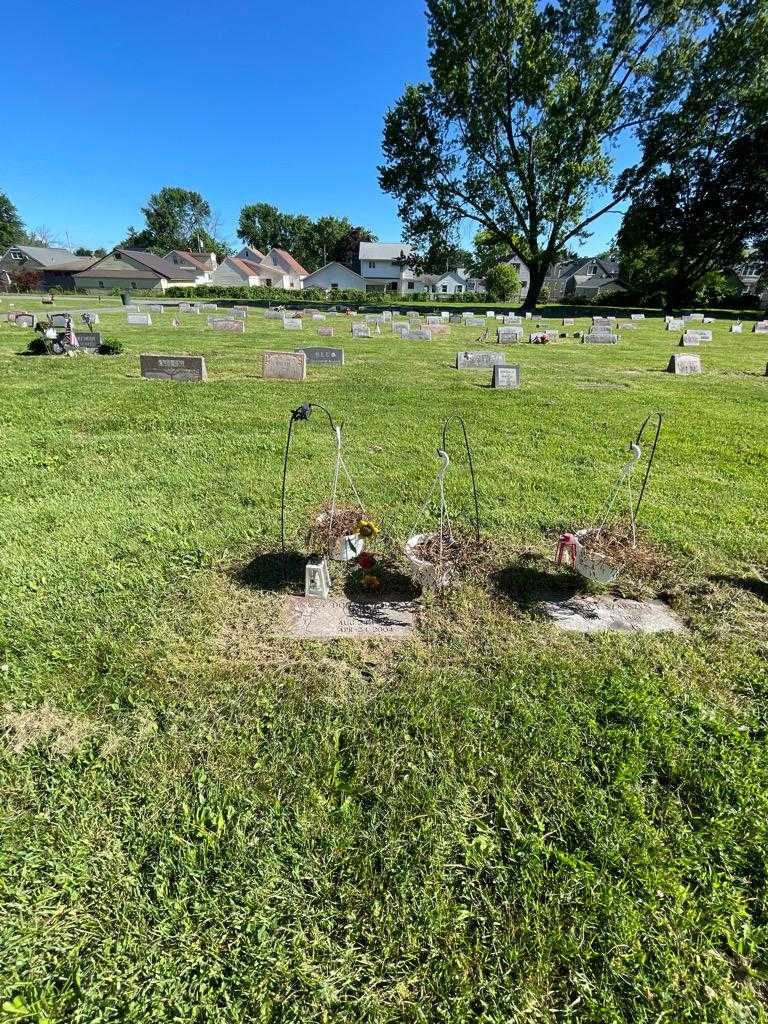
62	732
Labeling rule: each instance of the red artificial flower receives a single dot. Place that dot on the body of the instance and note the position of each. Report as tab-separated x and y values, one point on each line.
366	560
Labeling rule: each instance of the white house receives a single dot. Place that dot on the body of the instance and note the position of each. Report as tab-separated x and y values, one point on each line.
236	271
335	275
201	262
379	268
279	264
250	254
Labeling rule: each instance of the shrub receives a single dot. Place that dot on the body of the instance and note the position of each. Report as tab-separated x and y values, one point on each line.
37	345
110	347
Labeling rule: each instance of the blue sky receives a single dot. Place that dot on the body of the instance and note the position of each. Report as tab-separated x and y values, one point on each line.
244	102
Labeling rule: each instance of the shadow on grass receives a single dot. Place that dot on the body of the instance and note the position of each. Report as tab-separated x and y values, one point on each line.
751	584
527	586
272	571
395	586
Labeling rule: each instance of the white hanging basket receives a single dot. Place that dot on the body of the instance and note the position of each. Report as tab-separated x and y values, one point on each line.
591	564
347	547
426	574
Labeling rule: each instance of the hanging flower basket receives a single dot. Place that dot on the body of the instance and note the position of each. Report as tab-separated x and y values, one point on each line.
595	559
427	568
343	535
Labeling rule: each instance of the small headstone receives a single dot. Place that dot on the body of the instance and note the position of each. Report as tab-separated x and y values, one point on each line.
58	319
683	365
400	328
761	327
528	316
238	314
90	319
418	334
441	328
568	321
374	318
509	335
735	328
474	321
332	356
318	316
511	320
689	341
25	320
675	324
285	365
292	323
603	321
325	332
628	327
638	316
139	319
361	330
479	360
272	314
241	309
542	335
161	367
155	307
506	377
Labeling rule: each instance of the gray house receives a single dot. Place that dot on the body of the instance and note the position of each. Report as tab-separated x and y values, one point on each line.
20	258
135	270
584	278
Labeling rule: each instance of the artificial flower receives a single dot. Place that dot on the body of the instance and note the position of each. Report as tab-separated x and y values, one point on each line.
367	528
371	582
366	560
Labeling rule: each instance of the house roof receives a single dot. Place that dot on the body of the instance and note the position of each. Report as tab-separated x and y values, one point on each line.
600	282
335	263
161	266
383	250
73	265
294	266
46	255
242	265
194	258
249	248
261	269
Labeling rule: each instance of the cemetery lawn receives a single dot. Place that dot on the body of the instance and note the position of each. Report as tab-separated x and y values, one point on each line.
493	821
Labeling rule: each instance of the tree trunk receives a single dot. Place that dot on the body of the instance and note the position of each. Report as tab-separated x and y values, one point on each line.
538	272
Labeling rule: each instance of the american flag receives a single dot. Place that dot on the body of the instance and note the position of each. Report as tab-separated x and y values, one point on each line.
70	338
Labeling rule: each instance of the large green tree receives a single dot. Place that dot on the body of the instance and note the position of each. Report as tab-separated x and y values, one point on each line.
312	242
11	226
705	201
175	218
526	102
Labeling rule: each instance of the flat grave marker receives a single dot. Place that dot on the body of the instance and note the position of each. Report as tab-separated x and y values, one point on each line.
285	366
162	367
506	377
684	365
310	618
327	356
600	338
480	360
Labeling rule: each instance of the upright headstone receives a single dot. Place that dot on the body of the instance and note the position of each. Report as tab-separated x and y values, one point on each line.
697	336
509	335
285	365
683	365
139	319
735	328
25	320
675	324
568	321
222	323
329	356
155	307
58	319
360	330
638	316
474	321
292	323
600	338
325	332
418	334
88	341
761	327
241	309
506	376
162	367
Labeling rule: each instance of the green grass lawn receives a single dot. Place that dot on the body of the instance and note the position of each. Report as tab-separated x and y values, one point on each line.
494	821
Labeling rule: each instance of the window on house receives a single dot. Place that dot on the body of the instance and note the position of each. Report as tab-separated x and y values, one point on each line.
444	288
268	282
371	265
459	288
101	284
593	269
16	255
411	285
133	284
334	284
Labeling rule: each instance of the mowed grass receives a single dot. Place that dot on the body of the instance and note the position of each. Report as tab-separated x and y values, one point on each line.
494	821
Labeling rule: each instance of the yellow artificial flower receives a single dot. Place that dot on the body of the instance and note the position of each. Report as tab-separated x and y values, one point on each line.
371	582
367	528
